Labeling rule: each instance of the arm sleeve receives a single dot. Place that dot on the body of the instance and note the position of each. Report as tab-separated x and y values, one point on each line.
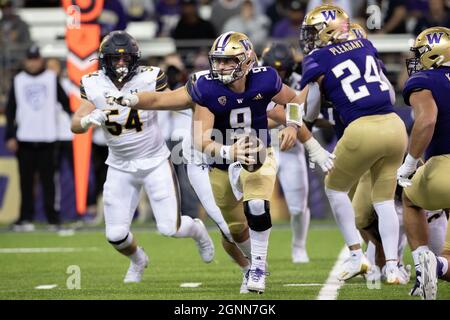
161	81
312	102
62	97
11	108
417	82
82	91
192	87
391	88
271	80
311	70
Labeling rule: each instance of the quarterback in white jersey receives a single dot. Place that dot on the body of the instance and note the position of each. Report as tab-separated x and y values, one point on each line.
138	156
292	171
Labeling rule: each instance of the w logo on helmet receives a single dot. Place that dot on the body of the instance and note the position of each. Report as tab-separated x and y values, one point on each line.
434	37
329	14
358	33
246	44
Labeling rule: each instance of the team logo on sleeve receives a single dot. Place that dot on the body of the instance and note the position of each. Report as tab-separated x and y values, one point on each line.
222	100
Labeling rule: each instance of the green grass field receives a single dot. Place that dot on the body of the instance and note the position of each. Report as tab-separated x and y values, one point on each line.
173	262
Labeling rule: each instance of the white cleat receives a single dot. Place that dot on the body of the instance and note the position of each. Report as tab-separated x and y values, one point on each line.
256	280
299	255
244	288
23	227
428	277
204	243
353	267
136	270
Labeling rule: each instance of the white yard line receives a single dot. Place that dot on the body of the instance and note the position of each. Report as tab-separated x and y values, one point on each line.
46	286
45	250
332	285
190	284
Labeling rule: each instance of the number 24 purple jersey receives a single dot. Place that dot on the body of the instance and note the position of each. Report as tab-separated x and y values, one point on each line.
352	81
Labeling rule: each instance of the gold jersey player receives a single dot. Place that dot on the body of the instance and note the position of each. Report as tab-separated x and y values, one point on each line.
375	139
230	99
138	156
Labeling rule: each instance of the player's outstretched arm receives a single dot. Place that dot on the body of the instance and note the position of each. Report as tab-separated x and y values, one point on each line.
288	136
425	117
86	116
294	104
178	99
317	154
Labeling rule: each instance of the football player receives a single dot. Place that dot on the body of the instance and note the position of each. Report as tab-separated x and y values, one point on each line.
232	99
348	73
292	171
426	91
138	156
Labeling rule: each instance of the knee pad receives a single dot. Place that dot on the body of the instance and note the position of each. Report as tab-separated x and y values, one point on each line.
166	230
119	237
258	214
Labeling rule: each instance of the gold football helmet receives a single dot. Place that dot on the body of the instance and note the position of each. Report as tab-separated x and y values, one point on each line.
431	49
322	26
233	46
356	32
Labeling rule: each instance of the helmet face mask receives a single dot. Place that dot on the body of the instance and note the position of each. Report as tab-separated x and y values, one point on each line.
235	52
119	56
309	36
414	65
232	70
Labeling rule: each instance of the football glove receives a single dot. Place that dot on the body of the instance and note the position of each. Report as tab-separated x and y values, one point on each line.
96	117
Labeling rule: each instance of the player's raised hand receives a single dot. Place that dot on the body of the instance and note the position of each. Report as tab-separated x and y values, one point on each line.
408	167
97	118
288	137
318	155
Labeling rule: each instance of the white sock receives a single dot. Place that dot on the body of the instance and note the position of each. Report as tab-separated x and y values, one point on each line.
188	229
344	215
388	226
199	179
445	264
299	227
356	254
370	252
138	256
391	264
259	243
416	253
437	231
245	247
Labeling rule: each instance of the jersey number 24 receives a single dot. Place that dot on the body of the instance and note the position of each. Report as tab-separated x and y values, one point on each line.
371	74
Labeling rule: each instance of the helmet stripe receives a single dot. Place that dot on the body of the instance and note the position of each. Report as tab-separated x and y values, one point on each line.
222	41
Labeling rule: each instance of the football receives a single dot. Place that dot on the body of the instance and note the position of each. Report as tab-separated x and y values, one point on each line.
260	155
